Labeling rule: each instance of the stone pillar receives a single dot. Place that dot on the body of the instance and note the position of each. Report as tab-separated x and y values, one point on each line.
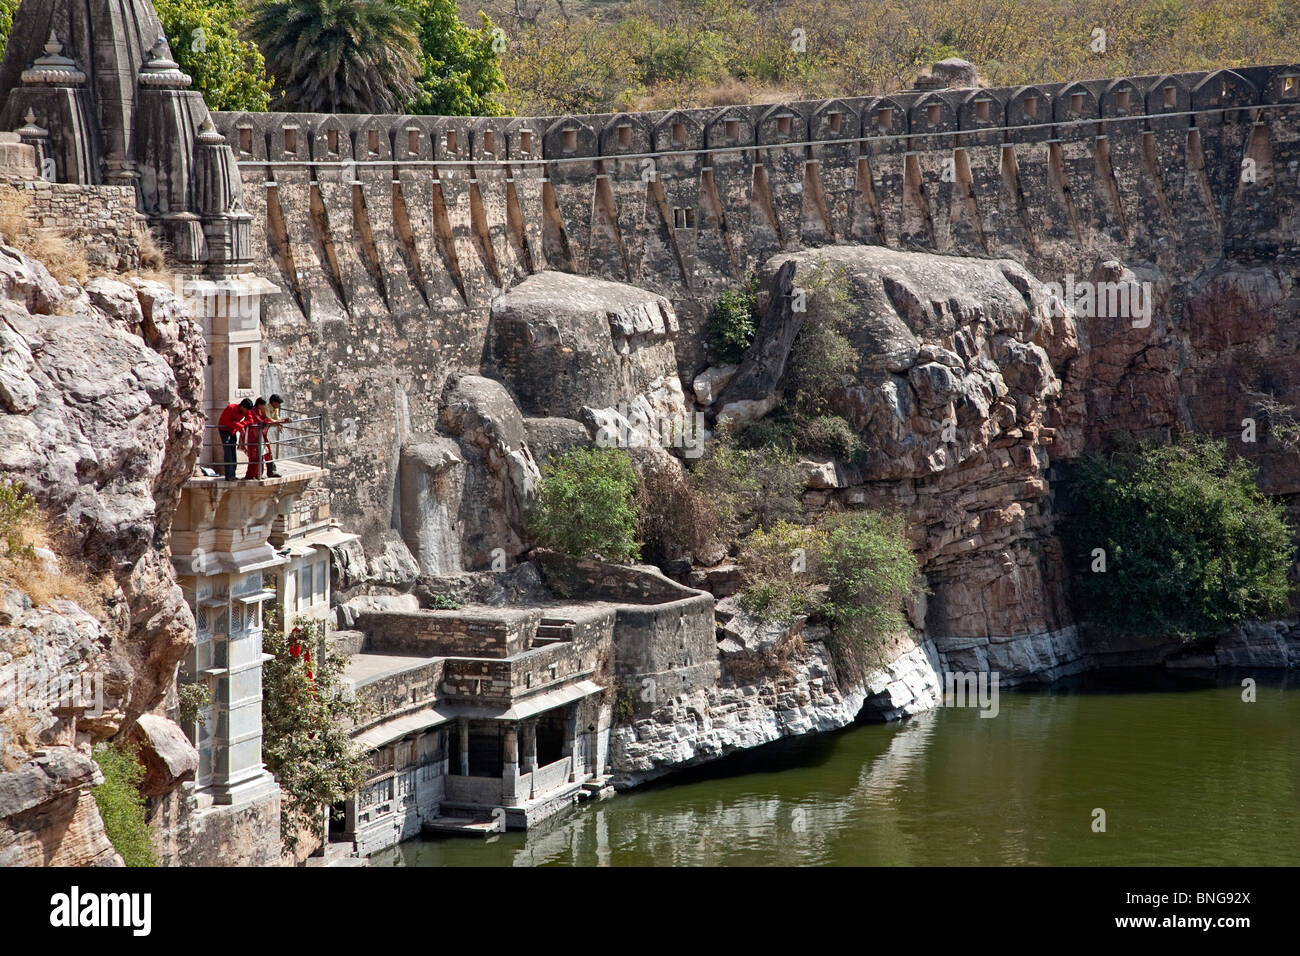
238	774
462	727
571	735
510	764
530	755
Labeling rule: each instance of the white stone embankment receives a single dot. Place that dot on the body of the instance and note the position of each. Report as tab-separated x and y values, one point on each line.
709	724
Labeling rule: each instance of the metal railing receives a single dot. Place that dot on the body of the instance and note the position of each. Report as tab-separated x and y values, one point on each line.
297	439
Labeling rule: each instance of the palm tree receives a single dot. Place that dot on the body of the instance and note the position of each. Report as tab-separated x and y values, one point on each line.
339	56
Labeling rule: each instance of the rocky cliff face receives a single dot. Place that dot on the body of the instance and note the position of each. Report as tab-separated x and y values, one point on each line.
101	389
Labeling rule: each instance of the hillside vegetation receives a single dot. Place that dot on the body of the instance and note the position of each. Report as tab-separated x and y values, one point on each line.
653	54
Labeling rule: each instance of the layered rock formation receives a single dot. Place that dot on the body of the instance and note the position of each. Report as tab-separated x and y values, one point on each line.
101	391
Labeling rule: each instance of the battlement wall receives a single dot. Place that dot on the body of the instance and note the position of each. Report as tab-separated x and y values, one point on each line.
390	235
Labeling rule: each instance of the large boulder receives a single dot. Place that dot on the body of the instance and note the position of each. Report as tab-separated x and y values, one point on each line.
562	342
500	472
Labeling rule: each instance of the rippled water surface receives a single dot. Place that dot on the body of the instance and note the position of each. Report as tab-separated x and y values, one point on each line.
1187	773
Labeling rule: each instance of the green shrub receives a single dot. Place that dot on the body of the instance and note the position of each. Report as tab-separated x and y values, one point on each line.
780	566
586	505
869	572
305	715
193	698
733	322
121	806
19	516
822	354
442	602
830	435
752	487
1190	544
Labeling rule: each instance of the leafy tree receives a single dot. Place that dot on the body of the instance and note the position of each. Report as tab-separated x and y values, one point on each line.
1190	544
121	806
305	713
751	487
339	56
869	572
586	505
7	10
228	70
461	68
733	322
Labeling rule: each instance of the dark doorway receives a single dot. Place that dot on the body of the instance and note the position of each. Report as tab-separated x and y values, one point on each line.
485	746
550	736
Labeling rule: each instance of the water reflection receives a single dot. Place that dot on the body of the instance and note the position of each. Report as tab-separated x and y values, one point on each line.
1194	777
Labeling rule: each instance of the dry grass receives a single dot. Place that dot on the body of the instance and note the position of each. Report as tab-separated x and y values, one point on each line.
63	257
25	530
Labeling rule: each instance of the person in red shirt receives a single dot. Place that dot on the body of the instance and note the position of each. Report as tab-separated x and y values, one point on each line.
230	426
255	439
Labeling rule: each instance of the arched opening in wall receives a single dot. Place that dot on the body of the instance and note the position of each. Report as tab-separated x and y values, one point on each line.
1030	105
679	135
982	110
245	139
783	125
451	141
624	136
1171	95
372	140
731	129
525	141
1121	100
570	140
1076	102
332	141
932	114
489	141
413	141
291	139
836	121
885	118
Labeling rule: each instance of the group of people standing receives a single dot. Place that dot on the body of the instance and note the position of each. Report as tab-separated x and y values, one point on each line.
246	425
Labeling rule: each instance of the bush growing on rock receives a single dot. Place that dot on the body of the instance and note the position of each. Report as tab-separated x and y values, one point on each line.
586	505
733	322
781	571
121	806
752	487
822	354
869	572
1190	545
675	519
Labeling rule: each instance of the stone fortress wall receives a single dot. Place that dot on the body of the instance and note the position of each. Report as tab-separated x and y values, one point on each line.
389	236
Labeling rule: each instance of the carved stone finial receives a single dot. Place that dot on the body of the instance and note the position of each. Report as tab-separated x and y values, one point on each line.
30	118
52	46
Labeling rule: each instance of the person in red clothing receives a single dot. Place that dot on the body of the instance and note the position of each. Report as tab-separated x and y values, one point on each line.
230	426
255	438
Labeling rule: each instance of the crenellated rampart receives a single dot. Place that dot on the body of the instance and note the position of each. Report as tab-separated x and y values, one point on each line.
390	235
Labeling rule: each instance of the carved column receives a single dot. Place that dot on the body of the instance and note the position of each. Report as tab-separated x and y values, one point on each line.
530	755
462	727
571	735
510	765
